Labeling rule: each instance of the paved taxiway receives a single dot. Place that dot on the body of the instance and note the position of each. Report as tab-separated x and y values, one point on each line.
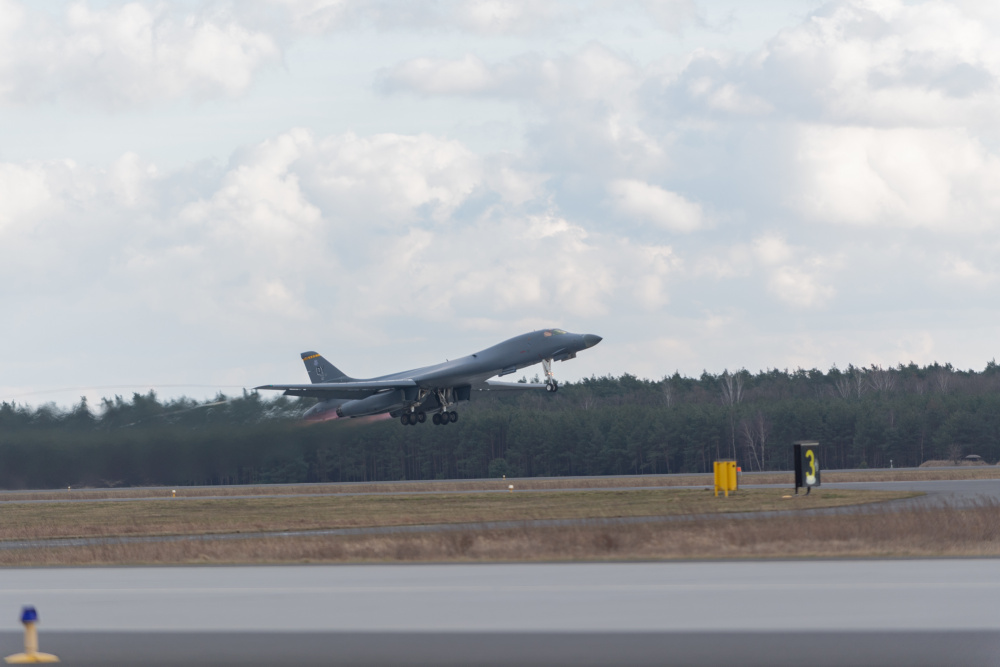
954	492
913	612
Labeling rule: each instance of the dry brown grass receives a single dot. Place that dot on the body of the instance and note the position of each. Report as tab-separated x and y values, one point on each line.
27	521
526	484
920	532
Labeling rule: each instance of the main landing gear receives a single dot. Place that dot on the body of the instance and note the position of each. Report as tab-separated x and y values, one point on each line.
412	418
444	418
550	378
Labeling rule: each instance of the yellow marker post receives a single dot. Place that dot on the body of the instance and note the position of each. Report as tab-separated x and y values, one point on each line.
510	489
31	654
173	494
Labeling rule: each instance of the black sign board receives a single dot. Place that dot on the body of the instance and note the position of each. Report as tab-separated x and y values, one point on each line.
806	454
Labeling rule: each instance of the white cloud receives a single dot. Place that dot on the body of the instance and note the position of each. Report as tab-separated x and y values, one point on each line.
583	106
594	73
483	17
942	179
260	201
651	203
24	194
300	228
127	54
772	250
879	114
431	76
966	271
512	16
390	179
794	274
478	17
797	287
670	15
857	62
130	179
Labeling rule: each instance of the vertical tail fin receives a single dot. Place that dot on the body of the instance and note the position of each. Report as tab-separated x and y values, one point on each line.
321	370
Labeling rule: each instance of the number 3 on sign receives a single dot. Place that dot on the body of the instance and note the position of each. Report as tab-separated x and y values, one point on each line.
811	475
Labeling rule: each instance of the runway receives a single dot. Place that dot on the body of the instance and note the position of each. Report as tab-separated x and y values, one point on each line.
912	612
961	491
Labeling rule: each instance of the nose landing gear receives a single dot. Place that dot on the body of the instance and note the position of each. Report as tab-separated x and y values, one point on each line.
550	378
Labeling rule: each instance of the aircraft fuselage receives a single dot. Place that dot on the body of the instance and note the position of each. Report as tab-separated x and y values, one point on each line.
435	388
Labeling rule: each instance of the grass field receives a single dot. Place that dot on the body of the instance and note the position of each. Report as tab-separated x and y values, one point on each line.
862	531
31	521
914	532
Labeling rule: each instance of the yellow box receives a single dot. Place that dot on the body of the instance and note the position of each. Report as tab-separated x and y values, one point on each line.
725	476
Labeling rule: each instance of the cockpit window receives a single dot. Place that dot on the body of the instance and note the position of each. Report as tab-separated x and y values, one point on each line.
558	331
554	332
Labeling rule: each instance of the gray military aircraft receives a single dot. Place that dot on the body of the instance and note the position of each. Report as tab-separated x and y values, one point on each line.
410	395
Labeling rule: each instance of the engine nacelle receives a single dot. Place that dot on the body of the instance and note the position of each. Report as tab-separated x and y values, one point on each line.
381	402
323	410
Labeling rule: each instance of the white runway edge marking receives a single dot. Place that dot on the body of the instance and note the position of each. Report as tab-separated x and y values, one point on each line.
423	590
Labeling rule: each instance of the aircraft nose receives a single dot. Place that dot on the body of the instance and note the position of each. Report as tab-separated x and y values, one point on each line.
590	340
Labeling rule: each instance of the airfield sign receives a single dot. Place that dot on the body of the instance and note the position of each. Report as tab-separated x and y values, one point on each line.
807	472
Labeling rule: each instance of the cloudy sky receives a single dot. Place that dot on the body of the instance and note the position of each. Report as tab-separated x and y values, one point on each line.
192	193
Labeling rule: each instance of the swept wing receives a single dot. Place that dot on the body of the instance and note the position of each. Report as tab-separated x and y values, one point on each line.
497	385
348	389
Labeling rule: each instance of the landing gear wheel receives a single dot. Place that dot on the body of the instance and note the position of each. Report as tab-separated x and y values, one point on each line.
552	386
453	417
436	419
421	417
404	419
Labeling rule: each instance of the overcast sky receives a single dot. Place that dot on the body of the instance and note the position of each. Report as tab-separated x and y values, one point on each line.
192	193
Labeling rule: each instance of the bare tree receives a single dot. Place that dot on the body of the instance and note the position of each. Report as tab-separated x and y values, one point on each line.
762	431
668	394
732	395
881	379
859	379
942	379
843	385
749	436
732	389
753	431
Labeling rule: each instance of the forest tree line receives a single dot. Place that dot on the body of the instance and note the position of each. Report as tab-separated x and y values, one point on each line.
862	417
